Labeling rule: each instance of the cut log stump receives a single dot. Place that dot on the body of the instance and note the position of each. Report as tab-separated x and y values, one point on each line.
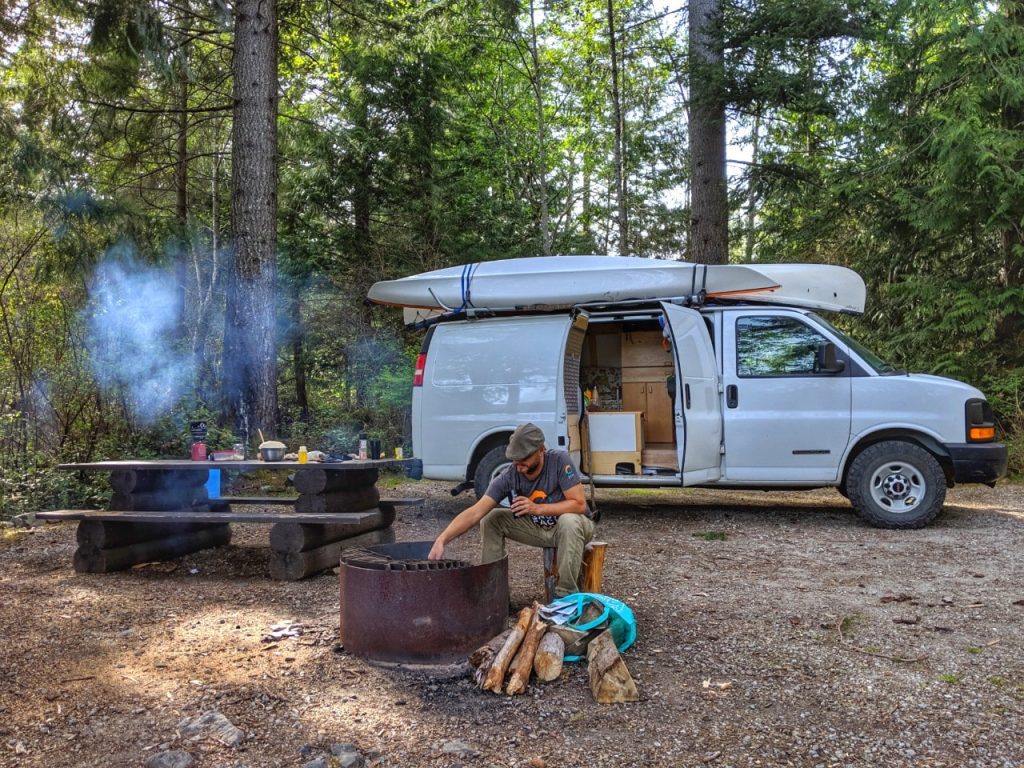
610	681
547	664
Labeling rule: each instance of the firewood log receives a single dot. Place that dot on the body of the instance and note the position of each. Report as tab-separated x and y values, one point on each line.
482	658
496	674
550	654
522	665
610	681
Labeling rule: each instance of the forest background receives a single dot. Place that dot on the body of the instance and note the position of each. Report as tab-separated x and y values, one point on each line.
882	135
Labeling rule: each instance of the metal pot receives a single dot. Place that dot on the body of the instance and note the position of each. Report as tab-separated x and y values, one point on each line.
271	454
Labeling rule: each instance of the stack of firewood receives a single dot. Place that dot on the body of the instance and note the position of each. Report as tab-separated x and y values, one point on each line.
508	660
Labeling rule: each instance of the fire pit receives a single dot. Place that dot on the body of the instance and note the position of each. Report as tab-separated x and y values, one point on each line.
397	607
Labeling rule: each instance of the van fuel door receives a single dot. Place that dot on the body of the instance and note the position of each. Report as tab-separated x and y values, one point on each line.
697	406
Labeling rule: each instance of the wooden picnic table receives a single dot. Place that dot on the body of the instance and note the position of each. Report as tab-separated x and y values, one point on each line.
160	509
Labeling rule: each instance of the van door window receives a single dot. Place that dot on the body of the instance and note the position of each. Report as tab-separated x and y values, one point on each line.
775	346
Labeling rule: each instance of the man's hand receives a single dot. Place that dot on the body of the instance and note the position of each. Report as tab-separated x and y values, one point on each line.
436	551
522	506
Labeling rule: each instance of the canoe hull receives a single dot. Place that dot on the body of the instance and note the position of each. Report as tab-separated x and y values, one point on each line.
813	286
560	281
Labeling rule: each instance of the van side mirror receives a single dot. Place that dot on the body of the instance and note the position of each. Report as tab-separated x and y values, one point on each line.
825	359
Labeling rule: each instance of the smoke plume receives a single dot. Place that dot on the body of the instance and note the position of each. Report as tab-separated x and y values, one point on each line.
132	315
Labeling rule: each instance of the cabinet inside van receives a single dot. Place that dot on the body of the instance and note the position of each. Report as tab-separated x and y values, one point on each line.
626	372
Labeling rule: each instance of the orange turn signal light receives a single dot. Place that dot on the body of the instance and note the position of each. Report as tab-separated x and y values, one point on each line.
981	433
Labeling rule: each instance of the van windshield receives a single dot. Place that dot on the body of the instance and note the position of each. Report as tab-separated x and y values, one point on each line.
880	366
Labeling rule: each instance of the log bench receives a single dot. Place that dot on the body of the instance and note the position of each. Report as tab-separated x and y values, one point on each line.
301	544
161	510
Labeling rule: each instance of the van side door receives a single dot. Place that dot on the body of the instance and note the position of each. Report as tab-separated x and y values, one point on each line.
697	405
786	418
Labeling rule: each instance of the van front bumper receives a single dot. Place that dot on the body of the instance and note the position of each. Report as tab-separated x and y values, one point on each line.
978	463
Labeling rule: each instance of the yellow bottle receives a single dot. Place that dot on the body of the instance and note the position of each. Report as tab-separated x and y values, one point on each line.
303	454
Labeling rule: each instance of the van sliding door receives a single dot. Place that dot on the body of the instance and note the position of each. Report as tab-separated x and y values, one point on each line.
697	406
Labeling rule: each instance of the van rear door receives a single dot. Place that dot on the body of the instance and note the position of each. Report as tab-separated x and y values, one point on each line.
697	406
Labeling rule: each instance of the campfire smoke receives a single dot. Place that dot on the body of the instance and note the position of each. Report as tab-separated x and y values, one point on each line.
132	317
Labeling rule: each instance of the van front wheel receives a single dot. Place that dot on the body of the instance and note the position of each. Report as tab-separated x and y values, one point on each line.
896	484
490	466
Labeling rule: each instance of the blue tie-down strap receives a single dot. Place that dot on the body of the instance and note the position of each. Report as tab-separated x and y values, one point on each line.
566	614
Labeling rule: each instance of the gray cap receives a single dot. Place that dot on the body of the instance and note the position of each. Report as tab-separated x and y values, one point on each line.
525	440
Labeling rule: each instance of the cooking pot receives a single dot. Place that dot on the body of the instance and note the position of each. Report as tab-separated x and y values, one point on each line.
271	450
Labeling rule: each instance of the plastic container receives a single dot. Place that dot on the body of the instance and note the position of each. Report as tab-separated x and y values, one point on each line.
364	447
303	454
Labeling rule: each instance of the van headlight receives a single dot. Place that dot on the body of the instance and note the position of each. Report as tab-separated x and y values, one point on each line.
981	421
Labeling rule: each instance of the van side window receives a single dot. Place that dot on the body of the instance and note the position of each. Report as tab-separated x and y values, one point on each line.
775	346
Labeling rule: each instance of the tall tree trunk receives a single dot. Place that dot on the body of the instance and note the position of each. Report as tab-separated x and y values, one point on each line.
298	353
181	195
709	203
547	240
620	129
751	223
250	339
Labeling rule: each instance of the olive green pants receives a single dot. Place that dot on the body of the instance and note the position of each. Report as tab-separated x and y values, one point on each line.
571	534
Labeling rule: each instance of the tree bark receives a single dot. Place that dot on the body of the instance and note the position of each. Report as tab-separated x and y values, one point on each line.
250	340
709	202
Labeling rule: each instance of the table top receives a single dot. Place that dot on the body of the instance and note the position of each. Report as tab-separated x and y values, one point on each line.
231	464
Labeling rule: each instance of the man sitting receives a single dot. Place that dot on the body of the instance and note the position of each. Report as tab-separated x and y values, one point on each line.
547	509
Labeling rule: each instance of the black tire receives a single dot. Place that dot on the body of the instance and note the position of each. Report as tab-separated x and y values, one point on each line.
490	465
896	484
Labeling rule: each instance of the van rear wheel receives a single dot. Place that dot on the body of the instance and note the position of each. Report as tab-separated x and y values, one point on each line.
896	484
491	465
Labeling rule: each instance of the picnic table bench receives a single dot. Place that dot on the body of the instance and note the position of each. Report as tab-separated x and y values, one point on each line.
161	509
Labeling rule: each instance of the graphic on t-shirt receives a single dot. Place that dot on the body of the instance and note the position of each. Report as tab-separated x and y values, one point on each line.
540	497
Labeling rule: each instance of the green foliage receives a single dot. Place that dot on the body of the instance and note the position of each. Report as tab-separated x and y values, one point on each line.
416	136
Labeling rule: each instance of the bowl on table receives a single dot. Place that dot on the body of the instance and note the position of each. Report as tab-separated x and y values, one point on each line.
271	450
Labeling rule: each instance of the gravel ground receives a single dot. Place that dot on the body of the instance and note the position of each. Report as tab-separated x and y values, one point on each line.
774	629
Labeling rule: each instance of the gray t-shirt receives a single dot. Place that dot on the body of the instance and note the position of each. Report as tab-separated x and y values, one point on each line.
556	476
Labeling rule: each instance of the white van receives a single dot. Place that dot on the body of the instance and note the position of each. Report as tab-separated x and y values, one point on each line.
730	396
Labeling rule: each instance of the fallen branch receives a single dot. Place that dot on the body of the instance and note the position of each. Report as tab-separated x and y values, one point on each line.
843	641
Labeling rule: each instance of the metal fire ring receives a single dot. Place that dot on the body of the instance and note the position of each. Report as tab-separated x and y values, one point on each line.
420	617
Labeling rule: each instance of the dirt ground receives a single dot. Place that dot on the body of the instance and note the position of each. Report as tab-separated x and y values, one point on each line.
774	629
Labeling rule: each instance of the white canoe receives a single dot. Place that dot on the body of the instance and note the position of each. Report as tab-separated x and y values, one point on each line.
548	282
814	286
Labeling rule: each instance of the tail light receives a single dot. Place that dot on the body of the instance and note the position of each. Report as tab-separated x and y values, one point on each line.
417	374
981	421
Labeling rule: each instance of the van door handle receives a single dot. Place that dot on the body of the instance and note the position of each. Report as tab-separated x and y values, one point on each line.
686	391
732	396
